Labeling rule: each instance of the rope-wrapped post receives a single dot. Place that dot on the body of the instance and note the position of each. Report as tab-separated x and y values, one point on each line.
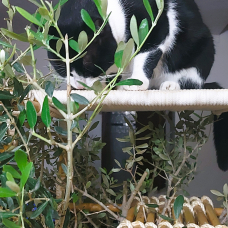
153	100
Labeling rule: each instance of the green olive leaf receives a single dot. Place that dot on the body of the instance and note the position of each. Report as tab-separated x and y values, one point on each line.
25	174
45	114
12	35
88	20
44	13
82	40
58	104
79	99
10	169
134	29
148	9
128	51
178	206
143	30
10	224
129	82
39	210
119	54
28	16
57	12
5	192
99	7
7	215
74	45
61	2
59	45
21	159
31	114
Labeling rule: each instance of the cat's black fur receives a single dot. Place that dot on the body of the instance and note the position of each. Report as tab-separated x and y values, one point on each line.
178	54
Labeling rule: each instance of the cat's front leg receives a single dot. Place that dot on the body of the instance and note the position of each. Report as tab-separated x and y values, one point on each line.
188	78
141	68
136	69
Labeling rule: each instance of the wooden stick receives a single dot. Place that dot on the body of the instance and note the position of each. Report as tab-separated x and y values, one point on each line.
199	213
140	215
150	216
92	207
218	211
131	214
179	220
188	213
211	215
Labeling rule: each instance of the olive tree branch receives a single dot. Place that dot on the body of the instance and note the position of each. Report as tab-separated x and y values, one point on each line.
18	131
133	194
84	193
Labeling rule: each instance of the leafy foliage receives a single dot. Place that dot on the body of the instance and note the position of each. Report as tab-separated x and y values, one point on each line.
223	196
174	159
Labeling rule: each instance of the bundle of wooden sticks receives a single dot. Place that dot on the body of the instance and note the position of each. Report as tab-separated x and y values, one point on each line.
196	213
147	213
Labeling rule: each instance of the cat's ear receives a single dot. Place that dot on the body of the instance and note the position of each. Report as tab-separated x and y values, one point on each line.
98	22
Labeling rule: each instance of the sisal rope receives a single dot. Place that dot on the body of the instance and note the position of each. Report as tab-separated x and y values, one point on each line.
154	100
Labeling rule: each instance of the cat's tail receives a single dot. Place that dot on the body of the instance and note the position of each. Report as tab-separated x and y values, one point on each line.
220	133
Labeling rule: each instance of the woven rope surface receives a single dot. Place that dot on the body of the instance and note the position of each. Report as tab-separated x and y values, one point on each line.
155	100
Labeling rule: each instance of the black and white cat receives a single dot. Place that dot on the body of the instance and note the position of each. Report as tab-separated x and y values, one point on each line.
178	54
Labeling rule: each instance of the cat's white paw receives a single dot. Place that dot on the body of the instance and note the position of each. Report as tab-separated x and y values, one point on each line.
169	85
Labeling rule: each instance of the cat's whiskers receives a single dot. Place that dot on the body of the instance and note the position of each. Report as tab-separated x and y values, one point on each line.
125	74
61	71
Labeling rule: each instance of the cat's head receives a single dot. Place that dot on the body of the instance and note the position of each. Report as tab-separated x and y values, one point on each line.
99	55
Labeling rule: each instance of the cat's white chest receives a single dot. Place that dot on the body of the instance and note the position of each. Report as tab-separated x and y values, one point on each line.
117	20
